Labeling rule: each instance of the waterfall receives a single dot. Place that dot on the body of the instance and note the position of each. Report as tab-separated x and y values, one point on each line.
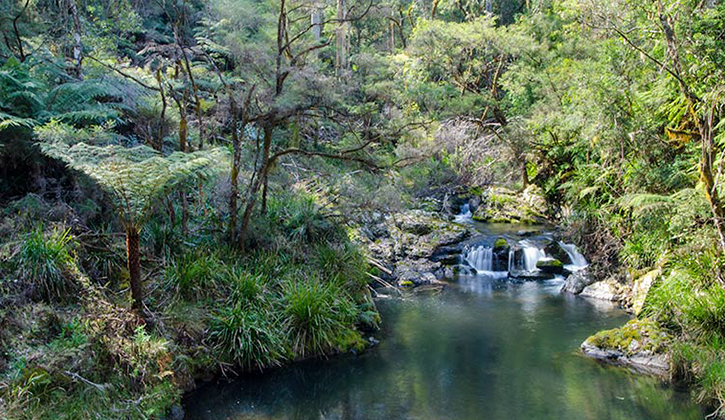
480	258
465	214
577	259
532	255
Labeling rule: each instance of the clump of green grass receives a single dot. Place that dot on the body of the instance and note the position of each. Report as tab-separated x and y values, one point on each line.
300	219
317	316
342	264
45	261
197	274
248	336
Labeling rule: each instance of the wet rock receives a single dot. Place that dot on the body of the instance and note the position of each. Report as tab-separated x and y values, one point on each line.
500	255
550	265
448	255
463	270
639	345
608	290
554	250
418	272
530	275
654	364
577	281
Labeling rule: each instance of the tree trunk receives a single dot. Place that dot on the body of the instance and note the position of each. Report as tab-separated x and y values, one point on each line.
708	179
160	141
236	161
341	50
524	176
264	194
254	189
77	44
133	261
316	20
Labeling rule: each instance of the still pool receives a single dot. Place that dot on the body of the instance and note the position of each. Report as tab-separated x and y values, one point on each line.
483	349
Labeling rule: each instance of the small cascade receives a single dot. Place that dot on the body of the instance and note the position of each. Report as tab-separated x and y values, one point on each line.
578	261
532	255
480	257
465	214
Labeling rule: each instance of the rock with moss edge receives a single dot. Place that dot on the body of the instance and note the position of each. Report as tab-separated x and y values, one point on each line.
639	345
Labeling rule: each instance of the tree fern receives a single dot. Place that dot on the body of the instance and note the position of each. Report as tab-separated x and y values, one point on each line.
135	178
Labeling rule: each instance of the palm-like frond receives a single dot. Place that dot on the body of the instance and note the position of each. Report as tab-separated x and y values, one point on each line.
641	203
135	177
12	121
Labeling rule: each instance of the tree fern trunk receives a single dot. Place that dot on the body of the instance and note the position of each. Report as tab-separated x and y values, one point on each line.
133	261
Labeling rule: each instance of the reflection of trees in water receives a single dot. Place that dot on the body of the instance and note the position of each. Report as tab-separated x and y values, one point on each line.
459	356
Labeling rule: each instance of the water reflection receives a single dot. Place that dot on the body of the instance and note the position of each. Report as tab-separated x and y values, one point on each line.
488	350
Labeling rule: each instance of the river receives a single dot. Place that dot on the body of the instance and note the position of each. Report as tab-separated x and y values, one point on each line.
484	348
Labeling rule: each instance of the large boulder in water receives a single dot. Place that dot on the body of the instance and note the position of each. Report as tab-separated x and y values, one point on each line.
609	290
577	281
640	345
550	265
501	255
501	205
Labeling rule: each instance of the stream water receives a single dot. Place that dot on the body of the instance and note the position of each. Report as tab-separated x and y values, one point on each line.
487	347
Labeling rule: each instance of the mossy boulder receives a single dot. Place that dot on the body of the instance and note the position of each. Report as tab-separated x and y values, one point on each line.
500	243
640	344
501	250
501	205
550	265
637	335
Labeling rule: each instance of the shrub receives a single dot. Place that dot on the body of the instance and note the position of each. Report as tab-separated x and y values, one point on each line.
249	337
45	262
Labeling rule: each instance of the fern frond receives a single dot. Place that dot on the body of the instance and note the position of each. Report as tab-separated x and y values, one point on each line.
135	177
644	202
12	121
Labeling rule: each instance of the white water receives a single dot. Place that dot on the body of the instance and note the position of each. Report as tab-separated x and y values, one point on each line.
480	257
465	214
532	255
578	261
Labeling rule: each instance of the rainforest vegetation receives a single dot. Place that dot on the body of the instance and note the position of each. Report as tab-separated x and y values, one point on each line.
185	185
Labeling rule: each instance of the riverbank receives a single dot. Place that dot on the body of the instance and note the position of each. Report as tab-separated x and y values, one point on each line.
71	346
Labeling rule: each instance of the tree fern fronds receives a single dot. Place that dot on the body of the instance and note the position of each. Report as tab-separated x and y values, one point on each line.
11	121
135	177
644	202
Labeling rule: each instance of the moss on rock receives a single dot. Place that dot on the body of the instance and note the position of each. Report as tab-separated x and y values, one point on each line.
501	205
636	336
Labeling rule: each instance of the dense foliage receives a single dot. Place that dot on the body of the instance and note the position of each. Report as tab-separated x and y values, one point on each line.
235	145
